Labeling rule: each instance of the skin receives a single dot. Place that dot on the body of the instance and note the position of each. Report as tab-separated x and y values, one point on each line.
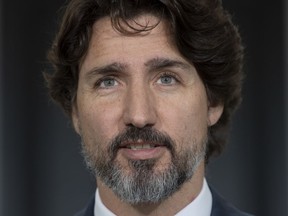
140	90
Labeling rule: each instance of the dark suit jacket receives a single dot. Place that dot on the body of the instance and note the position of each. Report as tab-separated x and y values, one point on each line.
220	207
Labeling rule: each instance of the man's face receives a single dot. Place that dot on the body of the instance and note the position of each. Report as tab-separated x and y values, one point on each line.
141	110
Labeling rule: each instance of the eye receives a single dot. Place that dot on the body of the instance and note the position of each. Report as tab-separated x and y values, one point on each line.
167	79
107	82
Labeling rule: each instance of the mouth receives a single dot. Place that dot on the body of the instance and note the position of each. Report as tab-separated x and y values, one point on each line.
141	150
143	146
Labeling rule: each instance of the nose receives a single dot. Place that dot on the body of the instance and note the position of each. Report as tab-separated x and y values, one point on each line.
139	108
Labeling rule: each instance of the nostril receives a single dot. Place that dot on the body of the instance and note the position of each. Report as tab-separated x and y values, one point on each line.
137	125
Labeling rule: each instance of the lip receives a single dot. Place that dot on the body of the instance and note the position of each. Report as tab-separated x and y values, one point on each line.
143	154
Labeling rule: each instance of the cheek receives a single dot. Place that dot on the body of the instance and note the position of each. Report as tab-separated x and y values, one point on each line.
98	123
186	117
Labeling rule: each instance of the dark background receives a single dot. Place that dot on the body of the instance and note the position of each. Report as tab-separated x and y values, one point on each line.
41	170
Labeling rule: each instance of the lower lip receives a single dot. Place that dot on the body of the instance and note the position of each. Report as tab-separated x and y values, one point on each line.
143	154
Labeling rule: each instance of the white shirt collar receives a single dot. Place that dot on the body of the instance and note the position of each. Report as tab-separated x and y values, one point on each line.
100	208
200	206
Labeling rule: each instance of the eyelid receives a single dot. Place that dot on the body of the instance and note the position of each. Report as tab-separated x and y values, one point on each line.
102	79
168	73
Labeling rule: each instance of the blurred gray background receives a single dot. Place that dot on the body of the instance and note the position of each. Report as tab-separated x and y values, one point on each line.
41	170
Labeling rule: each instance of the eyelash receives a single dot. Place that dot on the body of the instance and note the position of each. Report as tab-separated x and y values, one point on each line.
169	74
102	79
173	75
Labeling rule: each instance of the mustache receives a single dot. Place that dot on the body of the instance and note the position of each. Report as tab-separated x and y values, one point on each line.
146	134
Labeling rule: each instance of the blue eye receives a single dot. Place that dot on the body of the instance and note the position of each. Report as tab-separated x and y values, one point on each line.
166	80
107	83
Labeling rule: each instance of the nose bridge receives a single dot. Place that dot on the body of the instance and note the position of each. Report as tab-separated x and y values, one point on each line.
139	107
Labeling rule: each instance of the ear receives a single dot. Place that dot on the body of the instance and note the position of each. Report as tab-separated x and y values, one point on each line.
214	114
75	119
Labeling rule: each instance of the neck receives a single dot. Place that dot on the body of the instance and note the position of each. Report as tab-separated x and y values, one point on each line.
181	198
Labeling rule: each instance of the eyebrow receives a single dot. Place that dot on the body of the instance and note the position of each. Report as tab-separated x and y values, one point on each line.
114	67
153	64
161	63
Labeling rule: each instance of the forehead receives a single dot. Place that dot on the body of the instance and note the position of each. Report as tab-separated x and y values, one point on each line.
142	28
106	40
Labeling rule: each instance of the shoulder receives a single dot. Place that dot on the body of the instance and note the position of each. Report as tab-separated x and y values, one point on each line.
220	207
88	210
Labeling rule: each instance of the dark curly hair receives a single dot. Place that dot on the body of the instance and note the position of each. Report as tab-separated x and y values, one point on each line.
201	30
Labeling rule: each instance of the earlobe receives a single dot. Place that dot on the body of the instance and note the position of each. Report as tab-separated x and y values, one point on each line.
214	114
75	120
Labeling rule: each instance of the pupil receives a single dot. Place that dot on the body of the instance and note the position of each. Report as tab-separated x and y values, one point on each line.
166	80
109	82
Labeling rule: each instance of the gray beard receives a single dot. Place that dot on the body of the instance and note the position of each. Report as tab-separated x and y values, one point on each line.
143	183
